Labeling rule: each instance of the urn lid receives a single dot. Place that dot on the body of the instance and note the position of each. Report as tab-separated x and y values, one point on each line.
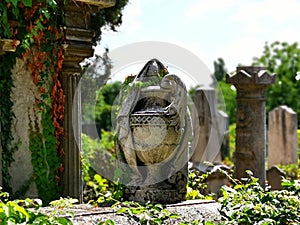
153	68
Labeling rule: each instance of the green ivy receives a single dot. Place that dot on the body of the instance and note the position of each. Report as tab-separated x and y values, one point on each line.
17	212
146	214
249	203
44	158
6	84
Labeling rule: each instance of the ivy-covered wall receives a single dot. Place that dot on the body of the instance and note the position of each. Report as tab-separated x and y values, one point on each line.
23	96
47	41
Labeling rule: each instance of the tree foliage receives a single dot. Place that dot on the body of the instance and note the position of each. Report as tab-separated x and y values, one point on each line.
109	18
105	100
227	90
283	59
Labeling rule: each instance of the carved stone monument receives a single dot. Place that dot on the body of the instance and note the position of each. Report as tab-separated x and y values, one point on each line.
251	83
153	131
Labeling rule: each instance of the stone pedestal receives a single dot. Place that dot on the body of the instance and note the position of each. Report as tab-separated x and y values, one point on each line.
251	83
282	137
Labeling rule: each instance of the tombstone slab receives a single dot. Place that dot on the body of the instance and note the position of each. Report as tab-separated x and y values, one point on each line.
282	137
212	128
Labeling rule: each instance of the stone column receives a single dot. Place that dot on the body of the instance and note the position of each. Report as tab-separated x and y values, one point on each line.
251	83
78	45
72	176
282	136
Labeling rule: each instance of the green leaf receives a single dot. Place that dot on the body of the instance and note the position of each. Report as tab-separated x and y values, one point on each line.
174	216
14	2
207	223
122	210
47	14
27	3
63	221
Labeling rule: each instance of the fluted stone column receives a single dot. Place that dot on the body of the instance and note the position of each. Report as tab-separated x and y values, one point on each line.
72	175
251	83
79	41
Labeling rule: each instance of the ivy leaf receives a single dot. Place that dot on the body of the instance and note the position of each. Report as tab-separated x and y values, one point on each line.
40	25
14	2
46	14
27	3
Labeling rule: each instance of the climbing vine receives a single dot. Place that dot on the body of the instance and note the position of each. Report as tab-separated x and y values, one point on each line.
43	157
45	64
36	24
6	104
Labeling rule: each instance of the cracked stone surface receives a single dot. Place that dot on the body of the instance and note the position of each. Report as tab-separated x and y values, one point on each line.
189	211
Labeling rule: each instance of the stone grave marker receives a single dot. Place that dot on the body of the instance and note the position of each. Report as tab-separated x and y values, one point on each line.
274	177
212	125
282	136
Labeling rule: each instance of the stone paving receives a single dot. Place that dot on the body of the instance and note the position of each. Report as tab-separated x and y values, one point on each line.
189	211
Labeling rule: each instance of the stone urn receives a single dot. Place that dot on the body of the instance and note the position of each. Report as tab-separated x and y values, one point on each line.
153	130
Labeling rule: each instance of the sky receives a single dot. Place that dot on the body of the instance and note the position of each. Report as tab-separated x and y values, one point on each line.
235	30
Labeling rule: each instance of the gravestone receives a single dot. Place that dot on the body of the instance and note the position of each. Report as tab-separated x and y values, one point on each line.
282	137
274	177
153	131
212	125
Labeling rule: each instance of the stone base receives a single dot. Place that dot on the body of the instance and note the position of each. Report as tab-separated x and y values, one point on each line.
171	190
158	196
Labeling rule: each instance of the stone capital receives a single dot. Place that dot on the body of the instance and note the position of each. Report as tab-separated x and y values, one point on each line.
251	76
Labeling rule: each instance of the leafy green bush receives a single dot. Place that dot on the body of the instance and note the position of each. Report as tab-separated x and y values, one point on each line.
146	214
196	187
16	212
103	192
91	149
292	170
97	189
250	204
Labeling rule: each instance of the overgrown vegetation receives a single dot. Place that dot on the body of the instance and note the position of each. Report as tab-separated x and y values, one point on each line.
145	214
6	84
21	212
243	202
249	203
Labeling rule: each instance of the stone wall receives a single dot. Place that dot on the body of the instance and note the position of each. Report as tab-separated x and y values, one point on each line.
23	96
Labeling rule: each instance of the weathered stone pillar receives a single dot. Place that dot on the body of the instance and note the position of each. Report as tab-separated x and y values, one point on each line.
282	136
72	175
79	37
251	83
